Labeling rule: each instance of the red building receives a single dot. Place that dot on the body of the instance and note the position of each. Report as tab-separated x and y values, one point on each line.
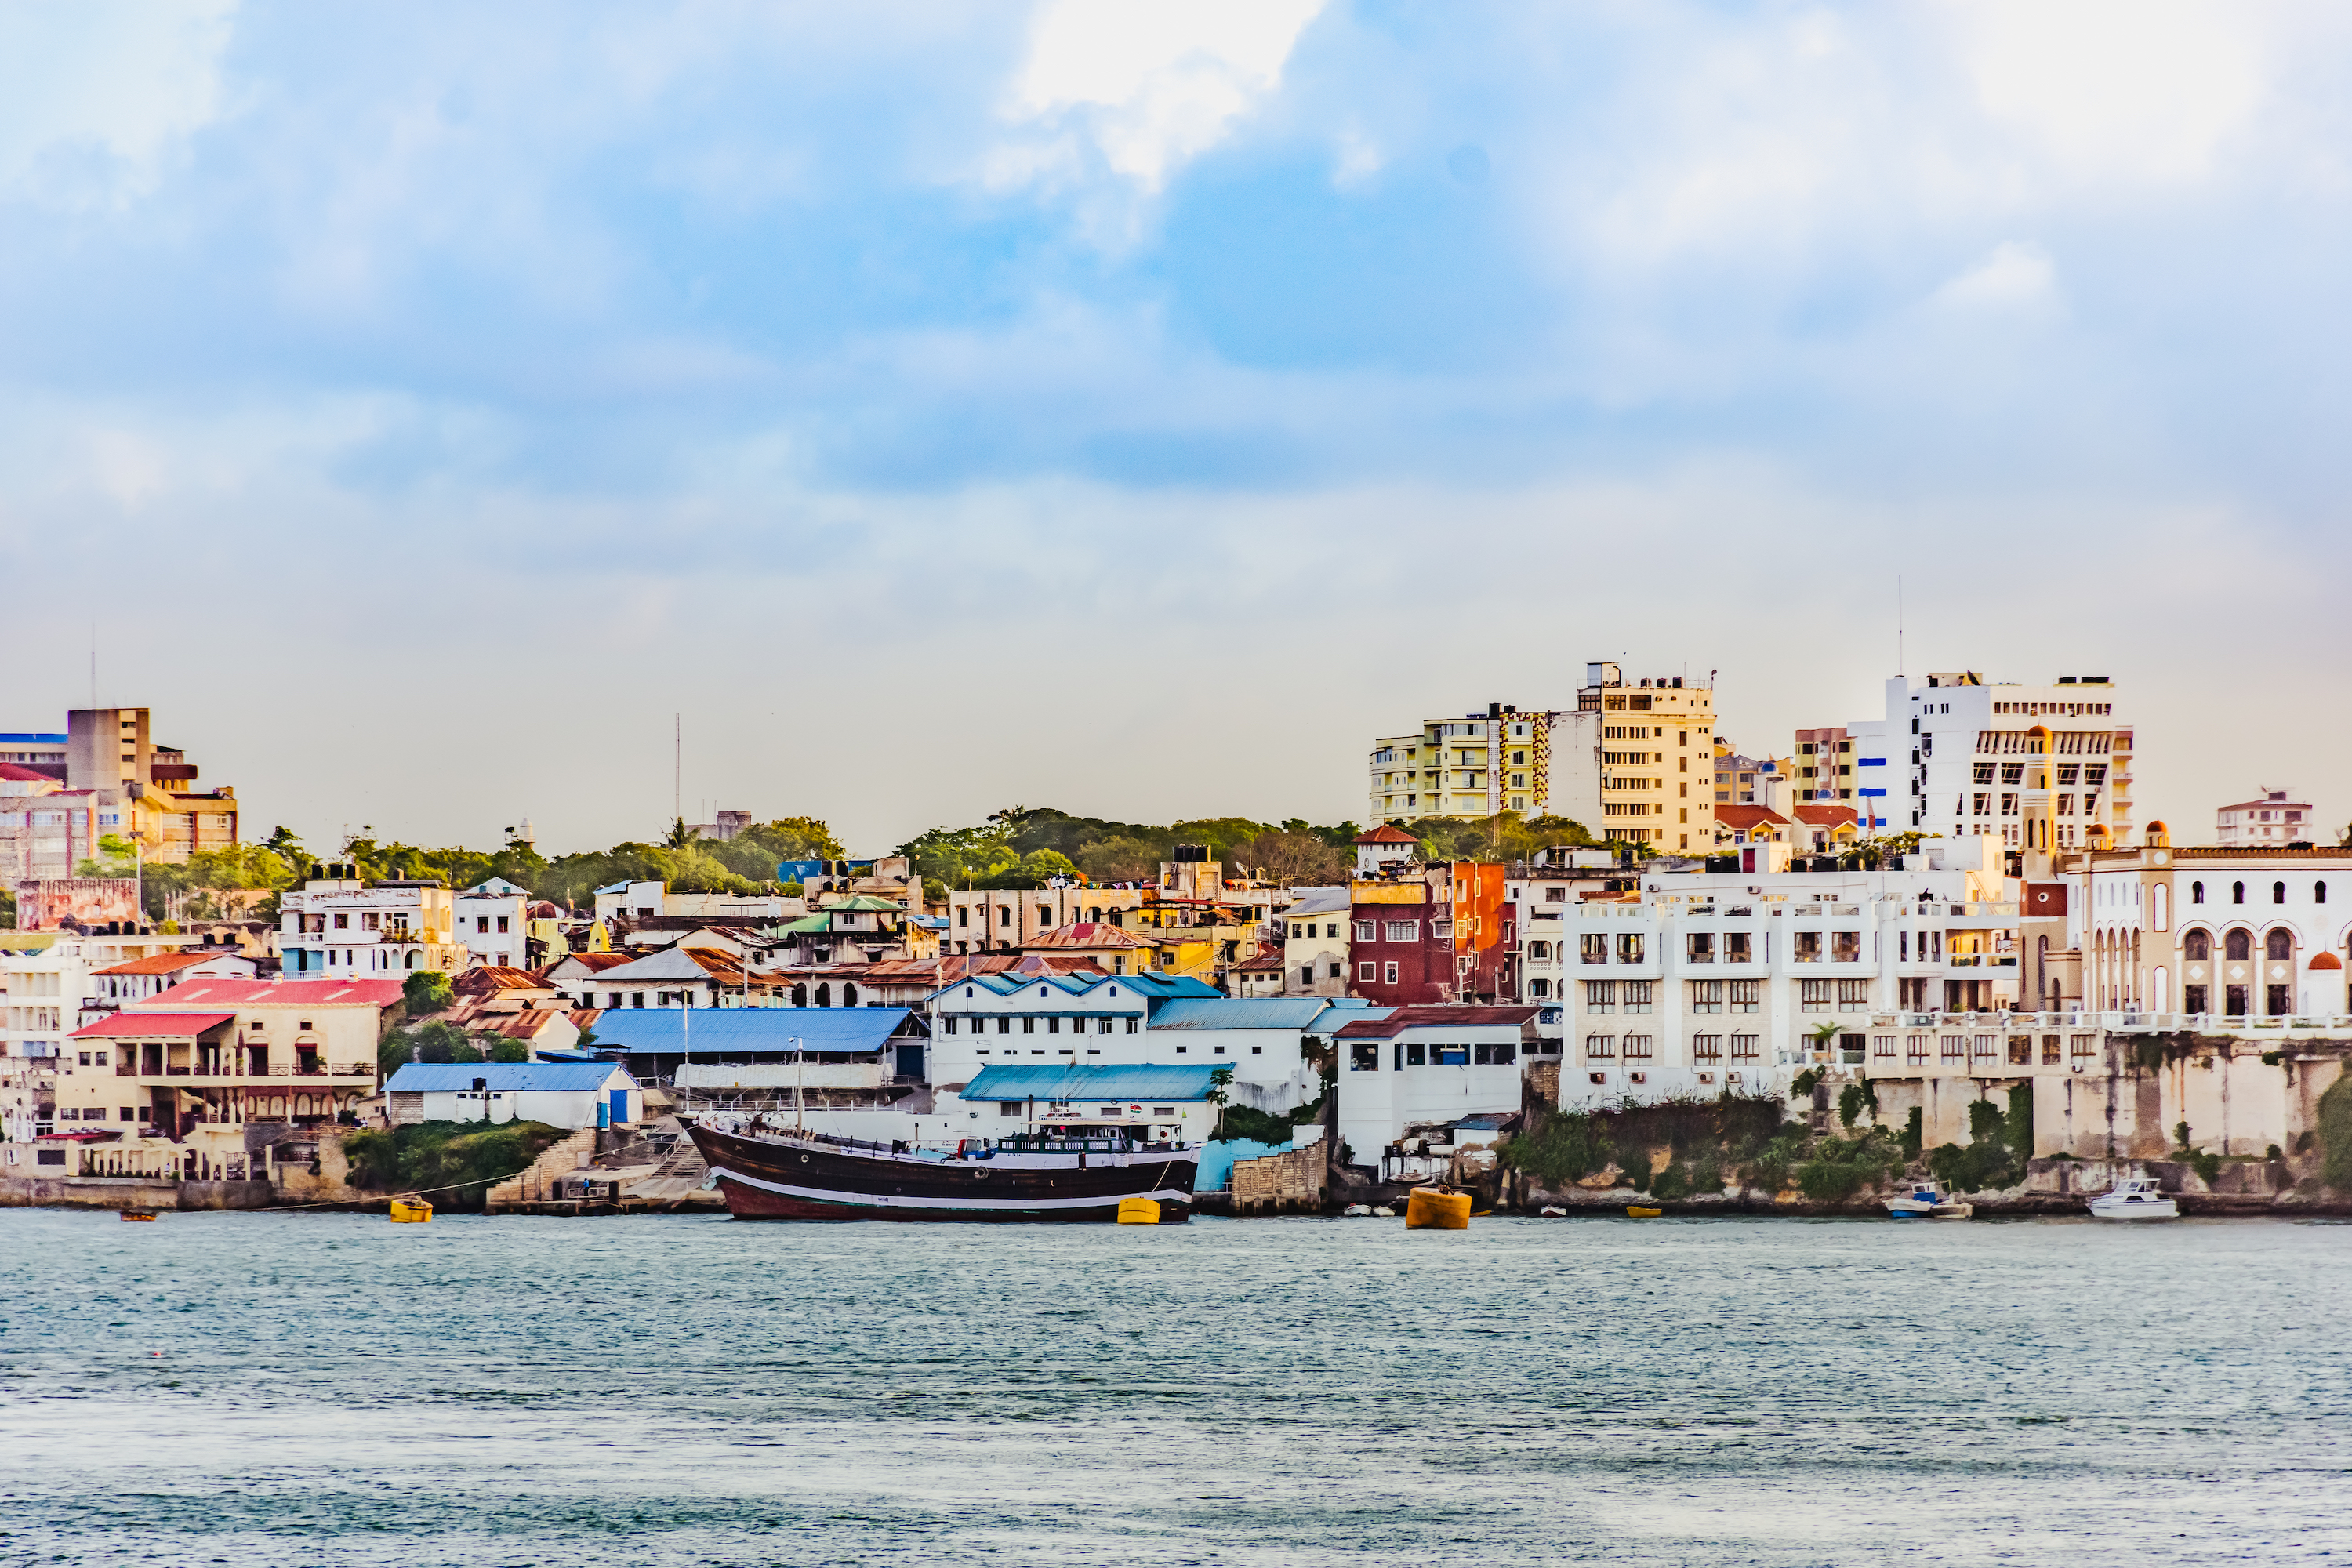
1439	933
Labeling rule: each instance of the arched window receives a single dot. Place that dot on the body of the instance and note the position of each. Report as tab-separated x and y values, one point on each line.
2278	892
2279	944
2196	892
2319	892
2237	945
848	995
2161	903
800	995
2237	892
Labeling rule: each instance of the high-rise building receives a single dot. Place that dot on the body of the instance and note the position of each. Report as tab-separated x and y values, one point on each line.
1635	762
118	779
1479	765
2038	767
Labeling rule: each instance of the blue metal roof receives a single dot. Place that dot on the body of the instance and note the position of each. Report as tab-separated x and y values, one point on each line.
28	738
504	1078
1144	1081
1239	1012
738	1029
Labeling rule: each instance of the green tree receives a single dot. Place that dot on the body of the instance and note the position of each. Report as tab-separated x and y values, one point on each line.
425	991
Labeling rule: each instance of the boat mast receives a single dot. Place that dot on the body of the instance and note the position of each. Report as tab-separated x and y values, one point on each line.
800	1077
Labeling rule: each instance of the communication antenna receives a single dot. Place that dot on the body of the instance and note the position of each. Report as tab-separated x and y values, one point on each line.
1899	668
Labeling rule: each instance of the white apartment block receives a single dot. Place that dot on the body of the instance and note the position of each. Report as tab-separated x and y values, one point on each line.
490	922
1735	980
2036	767
1635	762
1479	765
2270	819
336	926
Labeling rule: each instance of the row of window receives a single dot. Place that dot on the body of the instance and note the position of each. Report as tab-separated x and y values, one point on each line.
1725	995
1643	1047
950	1023
2238	893
2237	944
1365	1055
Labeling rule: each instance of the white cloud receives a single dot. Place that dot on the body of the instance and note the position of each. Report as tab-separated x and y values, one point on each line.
2016	275
96	94
1151	85
2140	90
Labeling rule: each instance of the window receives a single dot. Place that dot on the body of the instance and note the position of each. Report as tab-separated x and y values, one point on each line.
1630	947
1846	947
1388	974
1746	1047
1814	995
1402	931
948	1024
1735	947
1004	916
2279	945
2238	946
1809	947
1004	1025
1988	1047
1366	972
1494	1053
1854	995
1637	1048
1367	931
2237	893
1592	947
963	916
2319	892
502	922
1883	1046
1707	995
1133	1025
1699	946
1052	1026
1600	996
2196	892
2197	947
1416	1054
481	924
1746	996
1707	1047
2278	892
1364	1056
342	922
1600	1047
1915	1047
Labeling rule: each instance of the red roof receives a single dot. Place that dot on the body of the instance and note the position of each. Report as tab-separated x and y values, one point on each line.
275	994
171	963
496	977
1405	1018
153	1026
1748	818
1087	933
17	773
1386	833
1823	814
1264	958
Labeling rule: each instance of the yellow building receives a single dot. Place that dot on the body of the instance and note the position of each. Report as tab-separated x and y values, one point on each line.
1637	760
1479	765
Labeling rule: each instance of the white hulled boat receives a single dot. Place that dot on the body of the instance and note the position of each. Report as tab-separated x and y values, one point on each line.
1924	1202
2134	1197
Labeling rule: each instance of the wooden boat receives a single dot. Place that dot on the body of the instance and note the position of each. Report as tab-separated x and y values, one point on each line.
410	1211
136	1216
792	1175
1434	1209
1637	1211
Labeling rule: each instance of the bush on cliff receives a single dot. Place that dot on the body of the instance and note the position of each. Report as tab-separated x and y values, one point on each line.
465	1157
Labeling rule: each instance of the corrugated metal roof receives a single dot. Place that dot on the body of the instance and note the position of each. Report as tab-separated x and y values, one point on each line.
1317	901
1139	1082
147	1025
505	1078
731	1029
171	963
1399	1019
1239	1012
275	994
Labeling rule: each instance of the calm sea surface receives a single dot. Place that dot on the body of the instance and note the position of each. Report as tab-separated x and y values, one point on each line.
317	1389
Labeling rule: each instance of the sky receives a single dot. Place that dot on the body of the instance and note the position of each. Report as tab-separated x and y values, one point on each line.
428	410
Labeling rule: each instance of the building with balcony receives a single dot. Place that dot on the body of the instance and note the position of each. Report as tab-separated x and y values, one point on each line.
2037	767
2268	820
336	924
132	786
1734	981
1479	765
1636	761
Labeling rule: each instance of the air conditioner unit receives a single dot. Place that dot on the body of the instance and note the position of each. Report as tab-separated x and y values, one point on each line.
1639	1076
1598	1077
1706	1078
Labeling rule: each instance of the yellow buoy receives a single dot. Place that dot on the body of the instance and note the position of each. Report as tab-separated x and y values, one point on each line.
410	1211
1139	1211
1635	1211
1433	1208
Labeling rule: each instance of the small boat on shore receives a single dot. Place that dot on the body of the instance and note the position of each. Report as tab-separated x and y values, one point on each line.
2135	1197
767	1173
410	1211
1641	1211
1924	1202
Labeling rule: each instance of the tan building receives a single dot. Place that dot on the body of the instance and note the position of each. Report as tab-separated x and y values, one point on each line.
1636	761
1479	765
109	751
2268	820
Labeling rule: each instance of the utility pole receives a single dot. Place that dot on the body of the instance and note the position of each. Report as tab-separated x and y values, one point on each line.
678	767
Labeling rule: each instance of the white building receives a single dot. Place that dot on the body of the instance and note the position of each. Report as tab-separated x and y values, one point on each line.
561	1094
2268	820
1315	943
1732	981
489	921
1407	1066
654	900
2037	767
338	926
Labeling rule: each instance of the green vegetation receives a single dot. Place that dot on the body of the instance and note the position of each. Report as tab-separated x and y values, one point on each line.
466	1156
1838	1168
1264	1127
1855	1098
426	991
436	1042
2335	1131
1562	1147
1915	1132
1020	847
1999	1143
1704	1138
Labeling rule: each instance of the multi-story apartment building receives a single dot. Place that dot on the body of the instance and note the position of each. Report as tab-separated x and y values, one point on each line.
1751	781
1442	931
1315	940
49	988
2038	767
338	925
1732	980
2270	819
1479	765
1635	762
488	919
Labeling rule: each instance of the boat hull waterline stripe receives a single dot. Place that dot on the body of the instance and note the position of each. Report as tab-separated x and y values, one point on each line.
886	1200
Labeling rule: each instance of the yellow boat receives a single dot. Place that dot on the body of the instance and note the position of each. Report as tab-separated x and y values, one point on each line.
410	1211
1634	1211
1433	1208
137	1217
1139	1211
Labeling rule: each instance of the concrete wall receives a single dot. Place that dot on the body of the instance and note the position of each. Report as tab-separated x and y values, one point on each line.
1293	1181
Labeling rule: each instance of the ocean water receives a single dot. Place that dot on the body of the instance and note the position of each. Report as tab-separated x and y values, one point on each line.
328	1389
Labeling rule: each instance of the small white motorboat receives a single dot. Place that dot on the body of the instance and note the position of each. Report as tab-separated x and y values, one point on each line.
2134	1197
1924	1202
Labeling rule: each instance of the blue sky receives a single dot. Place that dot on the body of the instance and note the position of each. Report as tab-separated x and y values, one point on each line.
1137	408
